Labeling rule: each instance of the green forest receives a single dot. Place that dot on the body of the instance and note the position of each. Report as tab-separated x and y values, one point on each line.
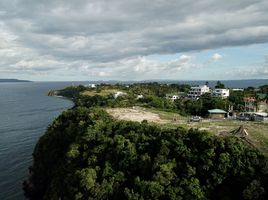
85	154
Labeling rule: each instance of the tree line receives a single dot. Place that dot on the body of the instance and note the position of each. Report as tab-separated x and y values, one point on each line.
154	96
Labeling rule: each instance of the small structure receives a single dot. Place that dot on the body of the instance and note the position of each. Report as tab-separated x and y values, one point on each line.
260	116
91	85
217	114
172	96
238	89
223	93
239	132
245	116
253	116
196	92
118	94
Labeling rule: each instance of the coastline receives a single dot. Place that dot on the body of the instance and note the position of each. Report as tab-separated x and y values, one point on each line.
14	81
53	93
26	112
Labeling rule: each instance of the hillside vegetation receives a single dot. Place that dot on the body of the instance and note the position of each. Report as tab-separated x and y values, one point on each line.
85	154
154	96
88	154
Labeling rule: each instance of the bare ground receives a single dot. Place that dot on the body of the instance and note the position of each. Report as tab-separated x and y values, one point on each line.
135	114
258	132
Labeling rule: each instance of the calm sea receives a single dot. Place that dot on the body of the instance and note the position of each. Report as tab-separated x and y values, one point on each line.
25	113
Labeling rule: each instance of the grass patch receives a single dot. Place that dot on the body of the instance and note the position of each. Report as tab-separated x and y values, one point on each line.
104	92
259	134
166	115
258	131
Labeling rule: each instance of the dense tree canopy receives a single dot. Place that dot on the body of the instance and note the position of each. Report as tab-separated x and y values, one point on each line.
87	155
219	85
264	89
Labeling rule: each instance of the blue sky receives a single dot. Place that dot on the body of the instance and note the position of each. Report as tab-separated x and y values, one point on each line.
231	63
133	40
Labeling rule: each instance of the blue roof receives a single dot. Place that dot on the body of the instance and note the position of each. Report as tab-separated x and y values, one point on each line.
216	111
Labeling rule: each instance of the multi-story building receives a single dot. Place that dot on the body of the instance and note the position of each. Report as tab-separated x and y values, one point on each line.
250	104
223	93
259	104
197	91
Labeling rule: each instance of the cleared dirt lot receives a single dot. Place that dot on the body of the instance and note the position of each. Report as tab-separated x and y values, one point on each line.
135	114
258	131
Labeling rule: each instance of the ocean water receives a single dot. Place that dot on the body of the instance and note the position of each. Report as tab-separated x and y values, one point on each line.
25	113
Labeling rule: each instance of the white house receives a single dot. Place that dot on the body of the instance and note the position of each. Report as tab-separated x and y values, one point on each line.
260	116
118	94
250	104
91	85
197	91
174	97
223	93
237	89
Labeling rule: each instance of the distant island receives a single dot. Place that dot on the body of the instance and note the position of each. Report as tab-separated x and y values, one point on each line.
12	80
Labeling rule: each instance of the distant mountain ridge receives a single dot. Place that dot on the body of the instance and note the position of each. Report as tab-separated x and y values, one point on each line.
243	83
12	80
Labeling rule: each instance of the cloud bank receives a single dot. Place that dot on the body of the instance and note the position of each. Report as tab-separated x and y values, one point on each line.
216	57
260	70
113	38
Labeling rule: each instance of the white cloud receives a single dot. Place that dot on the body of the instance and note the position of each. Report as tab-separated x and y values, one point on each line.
118	36
138	68
185	58
216	57
254	71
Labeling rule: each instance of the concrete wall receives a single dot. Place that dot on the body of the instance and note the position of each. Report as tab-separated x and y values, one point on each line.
216	115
